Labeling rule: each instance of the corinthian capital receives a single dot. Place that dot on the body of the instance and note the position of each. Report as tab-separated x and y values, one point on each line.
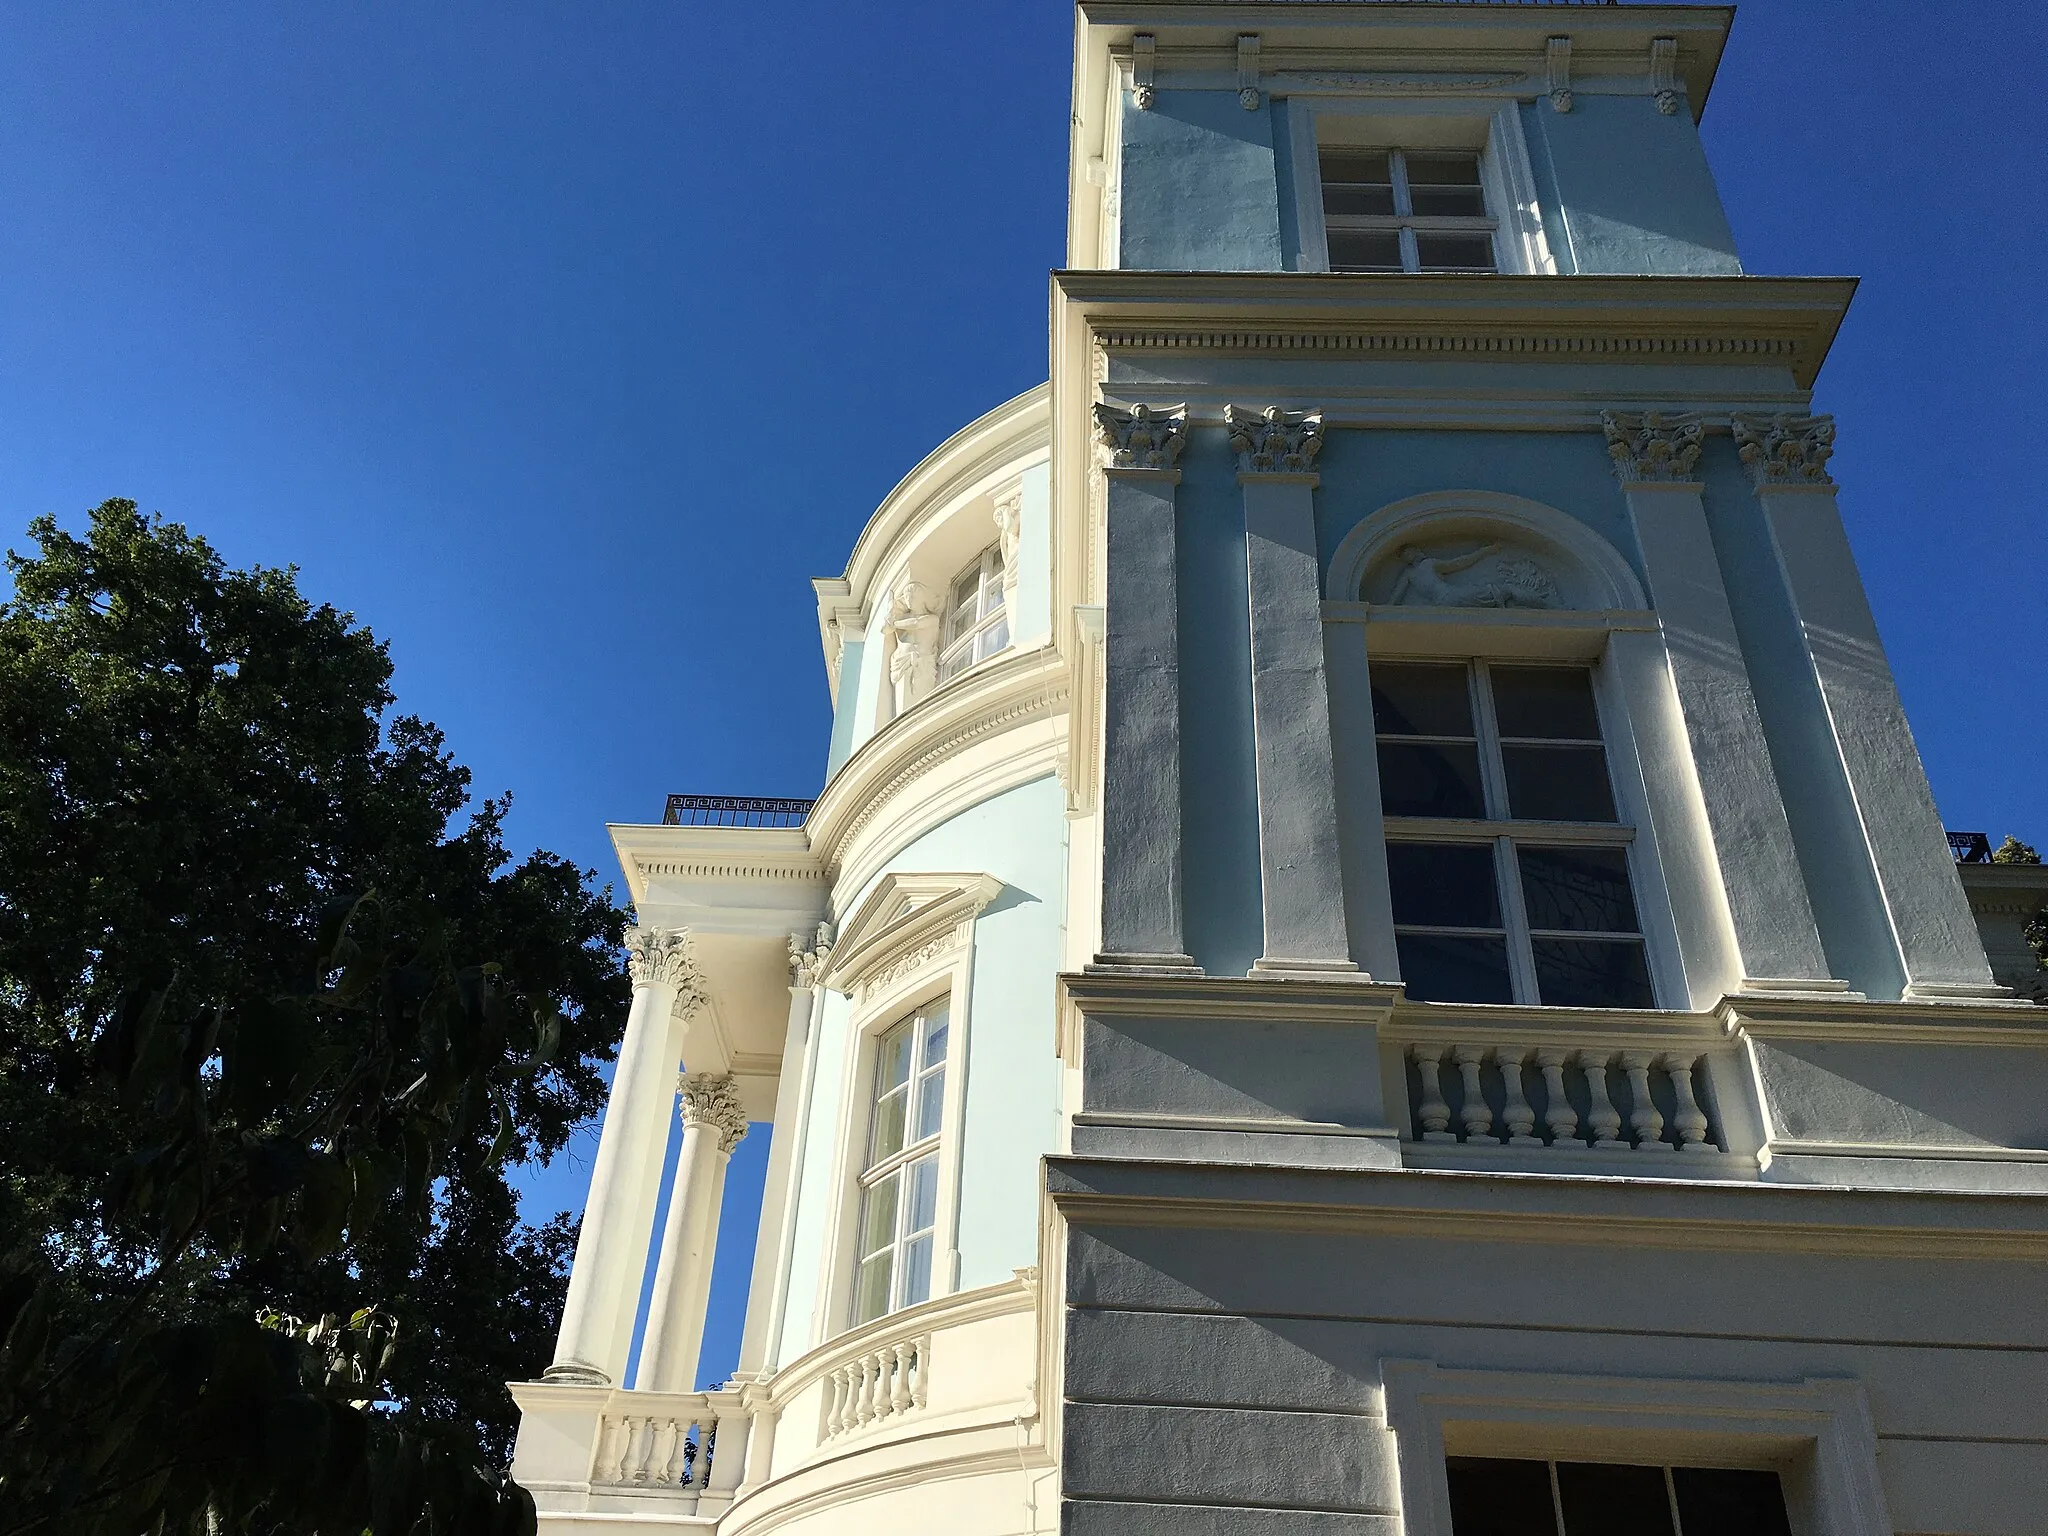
1273	441
1653	445
713	1099
808	954
1786	450
661	957
1142	437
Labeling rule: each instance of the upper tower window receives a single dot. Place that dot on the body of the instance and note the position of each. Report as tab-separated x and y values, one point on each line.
899	1200
977	626
1399	210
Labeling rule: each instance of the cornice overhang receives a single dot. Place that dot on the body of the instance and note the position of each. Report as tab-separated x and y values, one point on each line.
750	855
2010	888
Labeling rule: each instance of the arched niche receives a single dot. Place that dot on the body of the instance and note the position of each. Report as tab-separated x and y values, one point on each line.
1480	549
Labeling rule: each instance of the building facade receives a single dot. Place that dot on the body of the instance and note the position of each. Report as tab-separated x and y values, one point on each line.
1374	954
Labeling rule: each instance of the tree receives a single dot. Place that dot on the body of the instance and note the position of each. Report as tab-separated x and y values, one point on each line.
274	1019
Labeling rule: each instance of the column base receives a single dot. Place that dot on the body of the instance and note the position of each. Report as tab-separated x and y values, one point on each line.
1289	968
1979	993
1138	963
574	1373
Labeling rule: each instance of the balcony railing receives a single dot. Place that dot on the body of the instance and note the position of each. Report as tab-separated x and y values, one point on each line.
734	811
1970	847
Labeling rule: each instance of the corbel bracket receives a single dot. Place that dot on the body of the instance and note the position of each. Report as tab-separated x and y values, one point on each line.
1557	58
1248	71
1664	73
1144	50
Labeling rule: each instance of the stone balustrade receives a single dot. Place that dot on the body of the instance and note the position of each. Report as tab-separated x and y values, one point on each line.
881	1383
666	1442
1562	1097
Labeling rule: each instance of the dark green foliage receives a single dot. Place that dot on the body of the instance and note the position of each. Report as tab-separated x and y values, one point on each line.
237	1090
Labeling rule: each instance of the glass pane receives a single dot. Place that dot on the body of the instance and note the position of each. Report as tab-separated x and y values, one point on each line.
1585	890
871	1287
1558	784
1443	885
1717	1503
1454	968
888	1133
1365	250
931	1104
993	639
923	1213
1424	779
1454	253
892	1059
917	1272
1452	170
1499	1498
1357	165
878	1215
1591	973
1602	1500
1548	703
1446	202
931	1048
1357	200
1420	701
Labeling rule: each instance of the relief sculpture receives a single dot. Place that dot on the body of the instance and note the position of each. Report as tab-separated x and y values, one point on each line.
1488	577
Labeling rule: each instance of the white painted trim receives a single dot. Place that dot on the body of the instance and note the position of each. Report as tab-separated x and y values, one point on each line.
1556	532
1818	1432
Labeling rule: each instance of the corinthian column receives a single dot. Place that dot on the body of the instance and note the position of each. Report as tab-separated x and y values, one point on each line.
714	1121
618	1216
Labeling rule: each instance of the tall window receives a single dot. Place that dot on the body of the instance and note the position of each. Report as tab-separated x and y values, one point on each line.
976	625
899	1200
1508	865
1406	210
1498	1497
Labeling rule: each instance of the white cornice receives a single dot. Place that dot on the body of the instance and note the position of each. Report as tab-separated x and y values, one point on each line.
774	855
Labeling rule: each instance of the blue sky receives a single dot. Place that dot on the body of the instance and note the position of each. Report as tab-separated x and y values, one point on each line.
563	343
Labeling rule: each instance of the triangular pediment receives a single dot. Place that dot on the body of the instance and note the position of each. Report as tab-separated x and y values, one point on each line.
901	915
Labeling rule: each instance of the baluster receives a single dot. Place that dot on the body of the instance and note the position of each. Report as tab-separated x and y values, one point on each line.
1691	1120
1605	1118
885	1383
864	1405
899	1384
1518	1112
662	1452
921	1352
1476	1113
611	1448
1433	1112
1645	1118
841	1396
639	1441
707	1447
1558	1114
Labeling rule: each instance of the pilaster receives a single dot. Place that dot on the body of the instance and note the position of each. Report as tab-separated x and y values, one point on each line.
1655	457
1299	861
1142	882
714	1123
1939	947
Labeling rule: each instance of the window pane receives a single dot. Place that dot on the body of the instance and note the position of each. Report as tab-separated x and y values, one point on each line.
878	1215
931	1104
1602	1500
1443	885
892	1059
1424	779
993	639
871	1287
1591	973
1499	1498
1717	1503
1446	202
923	1213
1452	170
1558	783
1365	250
1454	253
1357	165
1585	890
931	1048
1420	701
888	1133
1548	703
1368	201
1454	968
917	1272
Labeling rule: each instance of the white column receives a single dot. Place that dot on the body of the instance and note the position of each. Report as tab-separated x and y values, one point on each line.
1299	861
618	1215
1938	943
807	957
1141	799
1655	455
714	1122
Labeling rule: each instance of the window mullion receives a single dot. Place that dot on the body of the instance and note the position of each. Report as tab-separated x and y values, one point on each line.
1486	725
1514	912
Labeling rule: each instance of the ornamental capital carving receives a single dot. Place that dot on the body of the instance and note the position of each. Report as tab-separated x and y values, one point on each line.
713	1099
1653	446
1786	449
1273	441
1142	437
808	954
661	957
1664	74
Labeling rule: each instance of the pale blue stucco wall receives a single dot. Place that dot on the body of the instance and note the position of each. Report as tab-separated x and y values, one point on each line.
841	746
1200	186
1010	1116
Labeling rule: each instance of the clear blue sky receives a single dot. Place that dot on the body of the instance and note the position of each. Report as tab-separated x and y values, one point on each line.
562	343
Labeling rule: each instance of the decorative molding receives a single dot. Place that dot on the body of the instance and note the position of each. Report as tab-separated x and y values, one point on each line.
1664	74
1009	518
1653	447
1786	449
807	956
1274	441
906	921
877	982
1487	577
662	957
713	1099
1330	338
1144	54
1396	82
1248	71
1142	436
914	659
1557	63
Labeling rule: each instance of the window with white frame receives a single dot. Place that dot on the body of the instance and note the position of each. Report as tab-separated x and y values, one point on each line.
899	1195
1406	210
976	625
1508	866
1502	1497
